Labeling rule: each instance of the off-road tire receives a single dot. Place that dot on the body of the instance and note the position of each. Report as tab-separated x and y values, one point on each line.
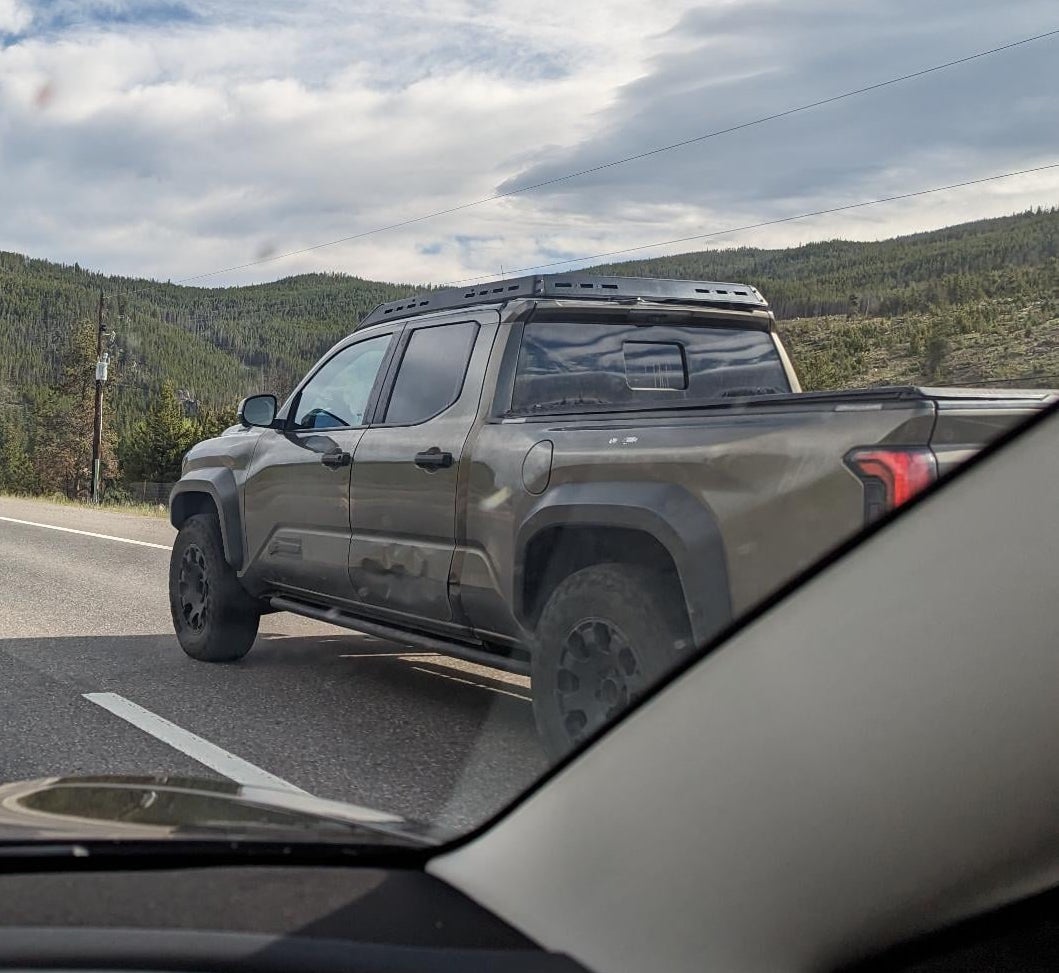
215	618
606	634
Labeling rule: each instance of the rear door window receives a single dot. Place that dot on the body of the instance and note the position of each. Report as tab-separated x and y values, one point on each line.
581	365
431	374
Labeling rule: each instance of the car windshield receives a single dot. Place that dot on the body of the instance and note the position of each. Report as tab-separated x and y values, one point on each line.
591	327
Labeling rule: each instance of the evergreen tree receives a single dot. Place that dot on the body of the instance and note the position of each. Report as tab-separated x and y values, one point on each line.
154	446
16	469
62	419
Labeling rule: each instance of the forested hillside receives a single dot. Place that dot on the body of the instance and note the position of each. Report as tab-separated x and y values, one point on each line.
974	303
1004	257
181	357
216	343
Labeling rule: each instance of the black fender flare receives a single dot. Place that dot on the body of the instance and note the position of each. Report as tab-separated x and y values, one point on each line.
220	485
684	525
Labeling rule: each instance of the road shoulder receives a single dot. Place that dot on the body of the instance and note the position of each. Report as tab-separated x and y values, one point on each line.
85	517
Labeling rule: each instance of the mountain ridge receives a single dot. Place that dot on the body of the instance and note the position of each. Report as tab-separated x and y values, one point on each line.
220	343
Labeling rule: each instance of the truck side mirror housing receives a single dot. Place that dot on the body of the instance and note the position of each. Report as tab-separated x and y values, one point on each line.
258	410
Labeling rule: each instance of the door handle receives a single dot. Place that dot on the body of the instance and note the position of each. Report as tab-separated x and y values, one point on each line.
433	459
335	458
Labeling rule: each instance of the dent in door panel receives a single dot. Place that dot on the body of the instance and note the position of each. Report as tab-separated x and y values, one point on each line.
398	574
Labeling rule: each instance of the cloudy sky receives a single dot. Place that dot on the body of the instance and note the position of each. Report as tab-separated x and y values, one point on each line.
169	138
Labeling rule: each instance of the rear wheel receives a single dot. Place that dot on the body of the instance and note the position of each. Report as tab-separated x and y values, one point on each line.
214	617
606	634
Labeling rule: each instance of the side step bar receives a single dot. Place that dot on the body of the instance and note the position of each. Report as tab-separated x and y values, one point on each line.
467	653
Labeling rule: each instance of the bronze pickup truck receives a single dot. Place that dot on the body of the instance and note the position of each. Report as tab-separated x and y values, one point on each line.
568	476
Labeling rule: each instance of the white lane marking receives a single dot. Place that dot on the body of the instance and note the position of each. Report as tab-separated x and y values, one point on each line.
468	682
481	671
208	754
447	662
87	533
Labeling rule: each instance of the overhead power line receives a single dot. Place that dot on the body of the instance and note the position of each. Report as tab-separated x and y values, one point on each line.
754	226
658	150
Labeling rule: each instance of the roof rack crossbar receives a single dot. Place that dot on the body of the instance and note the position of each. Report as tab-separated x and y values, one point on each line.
713	293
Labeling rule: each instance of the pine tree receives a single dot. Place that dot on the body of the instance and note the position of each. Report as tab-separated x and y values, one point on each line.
154	445
62	421
211	422
16	469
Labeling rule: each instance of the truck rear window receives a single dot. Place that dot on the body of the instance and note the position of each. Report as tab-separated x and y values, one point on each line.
577	365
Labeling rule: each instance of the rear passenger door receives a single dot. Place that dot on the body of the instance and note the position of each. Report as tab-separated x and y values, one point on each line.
405	474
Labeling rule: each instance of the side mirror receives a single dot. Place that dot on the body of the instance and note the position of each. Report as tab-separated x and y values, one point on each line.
258	410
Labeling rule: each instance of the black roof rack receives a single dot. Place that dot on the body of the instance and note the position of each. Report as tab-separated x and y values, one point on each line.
583	286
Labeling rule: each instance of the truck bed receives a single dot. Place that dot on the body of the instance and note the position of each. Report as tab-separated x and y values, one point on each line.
759	483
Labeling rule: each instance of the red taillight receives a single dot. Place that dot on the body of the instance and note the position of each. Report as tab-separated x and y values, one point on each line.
891	476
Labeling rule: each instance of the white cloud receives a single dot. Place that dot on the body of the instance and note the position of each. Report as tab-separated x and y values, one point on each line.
14	17
167	138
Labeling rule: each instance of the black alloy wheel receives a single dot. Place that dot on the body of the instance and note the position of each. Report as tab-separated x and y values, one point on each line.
606	634
214	616
194	588
598	675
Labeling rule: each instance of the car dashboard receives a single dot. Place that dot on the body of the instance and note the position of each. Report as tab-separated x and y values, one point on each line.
208	919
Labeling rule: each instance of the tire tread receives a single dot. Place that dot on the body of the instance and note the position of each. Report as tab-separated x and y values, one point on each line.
232	623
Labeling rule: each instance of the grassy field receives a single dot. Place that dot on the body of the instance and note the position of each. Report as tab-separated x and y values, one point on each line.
996	342
139	509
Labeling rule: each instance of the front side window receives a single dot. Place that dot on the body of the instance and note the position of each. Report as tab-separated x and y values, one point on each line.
431	372
578	365
337	395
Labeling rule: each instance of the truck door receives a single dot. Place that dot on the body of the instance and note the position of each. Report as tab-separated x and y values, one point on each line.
404	490
297	490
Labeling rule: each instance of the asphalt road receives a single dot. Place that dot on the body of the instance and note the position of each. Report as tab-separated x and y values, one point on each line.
334	713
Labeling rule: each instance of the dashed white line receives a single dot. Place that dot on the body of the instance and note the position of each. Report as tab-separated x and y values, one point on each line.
208	754
87	533
444	661
469	682
473	669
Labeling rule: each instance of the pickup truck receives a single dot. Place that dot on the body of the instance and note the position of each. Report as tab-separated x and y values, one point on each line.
568	476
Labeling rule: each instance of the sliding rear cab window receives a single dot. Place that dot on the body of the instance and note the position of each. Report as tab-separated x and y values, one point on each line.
605	364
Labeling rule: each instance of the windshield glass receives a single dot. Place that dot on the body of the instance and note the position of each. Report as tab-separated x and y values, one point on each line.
560	410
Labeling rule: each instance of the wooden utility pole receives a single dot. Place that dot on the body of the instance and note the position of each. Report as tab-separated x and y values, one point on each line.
97	428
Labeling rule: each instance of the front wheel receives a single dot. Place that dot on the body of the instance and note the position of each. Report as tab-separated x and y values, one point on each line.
606	634
214	617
